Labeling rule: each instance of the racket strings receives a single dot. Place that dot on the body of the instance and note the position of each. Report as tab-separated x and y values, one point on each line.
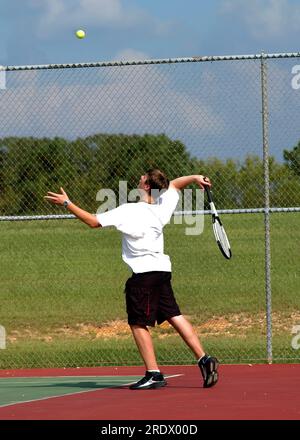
222	239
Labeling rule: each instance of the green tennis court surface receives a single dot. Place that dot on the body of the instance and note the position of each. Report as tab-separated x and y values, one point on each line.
26	389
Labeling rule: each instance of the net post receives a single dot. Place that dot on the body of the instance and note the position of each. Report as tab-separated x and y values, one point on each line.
265	134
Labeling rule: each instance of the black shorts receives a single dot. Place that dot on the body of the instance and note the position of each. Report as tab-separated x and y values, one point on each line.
150	298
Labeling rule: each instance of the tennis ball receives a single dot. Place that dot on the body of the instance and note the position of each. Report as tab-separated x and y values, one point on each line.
80	34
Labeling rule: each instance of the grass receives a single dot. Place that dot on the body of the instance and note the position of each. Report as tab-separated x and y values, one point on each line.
58	277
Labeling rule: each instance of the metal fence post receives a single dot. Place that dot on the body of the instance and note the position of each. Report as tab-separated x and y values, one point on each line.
265	133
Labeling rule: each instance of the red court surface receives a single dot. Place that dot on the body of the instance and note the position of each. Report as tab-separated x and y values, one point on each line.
258	392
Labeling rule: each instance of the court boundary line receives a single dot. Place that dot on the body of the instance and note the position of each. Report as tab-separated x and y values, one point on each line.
77	392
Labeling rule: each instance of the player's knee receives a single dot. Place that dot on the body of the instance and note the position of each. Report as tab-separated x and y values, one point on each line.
137	326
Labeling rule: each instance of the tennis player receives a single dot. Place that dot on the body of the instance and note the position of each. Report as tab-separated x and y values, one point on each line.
149	295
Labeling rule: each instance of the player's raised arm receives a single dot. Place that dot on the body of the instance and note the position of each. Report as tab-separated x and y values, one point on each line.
182	182
63	200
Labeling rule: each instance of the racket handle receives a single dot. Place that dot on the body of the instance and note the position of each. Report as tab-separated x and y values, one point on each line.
209	196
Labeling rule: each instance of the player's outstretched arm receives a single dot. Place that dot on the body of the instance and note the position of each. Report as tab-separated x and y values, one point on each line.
84	216
182	182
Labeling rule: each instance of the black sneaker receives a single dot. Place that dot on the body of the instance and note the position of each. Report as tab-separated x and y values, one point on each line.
209	370
149	381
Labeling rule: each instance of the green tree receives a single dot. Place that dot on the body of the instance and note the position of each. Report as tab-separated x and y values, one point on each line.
127	157
29	167
224	178
292	159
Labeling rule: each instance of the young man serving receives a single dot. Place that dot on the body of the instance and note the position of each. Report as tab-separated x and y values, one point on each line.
149	295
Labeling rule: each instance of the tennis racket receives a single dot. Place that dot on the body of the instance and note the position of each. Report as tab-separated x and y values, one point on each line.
218	228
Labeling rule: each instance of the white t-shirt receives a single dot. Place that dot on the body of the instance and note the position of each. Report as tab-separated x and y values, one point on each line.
142	227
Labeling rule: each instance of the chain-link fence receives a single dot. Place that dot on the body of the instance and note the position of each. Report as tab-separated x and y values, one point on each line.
86	127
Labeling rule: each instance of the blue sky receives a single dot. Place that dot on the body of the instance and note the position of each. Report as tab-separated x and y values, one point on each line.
42	31
214	108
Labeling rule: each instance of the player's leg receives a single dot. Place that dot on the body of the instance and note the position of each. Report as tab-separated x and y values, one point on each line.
153	377
141	305
169	310
144	343
208	365
186	331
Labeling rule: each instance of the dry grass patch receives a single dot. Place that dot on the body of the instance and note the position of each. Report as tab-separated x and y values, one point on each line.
233	325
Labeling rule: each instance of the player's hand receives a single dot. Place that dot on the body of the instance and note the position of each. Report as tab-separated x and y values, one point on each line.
57	199
203	181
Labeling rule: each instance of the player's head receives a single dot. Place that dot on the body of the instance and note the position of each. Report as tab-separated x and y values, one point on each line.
154	179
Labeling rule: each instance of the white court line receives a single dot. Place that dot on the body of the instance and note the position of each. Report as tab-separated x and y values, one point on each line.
72	394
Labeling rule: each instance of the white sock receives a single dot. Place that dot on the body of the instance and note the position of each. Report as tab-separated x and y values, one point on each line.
154	371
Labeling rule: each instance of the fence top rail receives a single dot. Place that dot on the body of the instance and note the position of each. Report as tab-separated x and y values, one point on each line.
7	218
194	59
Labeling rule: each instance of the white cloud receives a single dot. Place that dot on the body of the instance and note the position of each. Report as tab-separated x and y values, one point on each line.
127	99
65	14
264	18
58	14
3	45
131	55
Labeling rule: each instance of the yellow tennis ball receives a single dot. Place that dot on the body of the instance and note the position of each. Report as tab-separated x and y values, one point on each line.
80	34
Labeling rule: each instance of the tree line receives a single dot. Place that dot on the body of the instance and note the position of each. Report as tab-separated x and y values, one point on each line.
29	167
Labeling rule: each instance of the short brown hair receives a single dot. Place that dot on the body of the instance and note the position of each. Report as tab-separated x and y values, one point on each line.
156	179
